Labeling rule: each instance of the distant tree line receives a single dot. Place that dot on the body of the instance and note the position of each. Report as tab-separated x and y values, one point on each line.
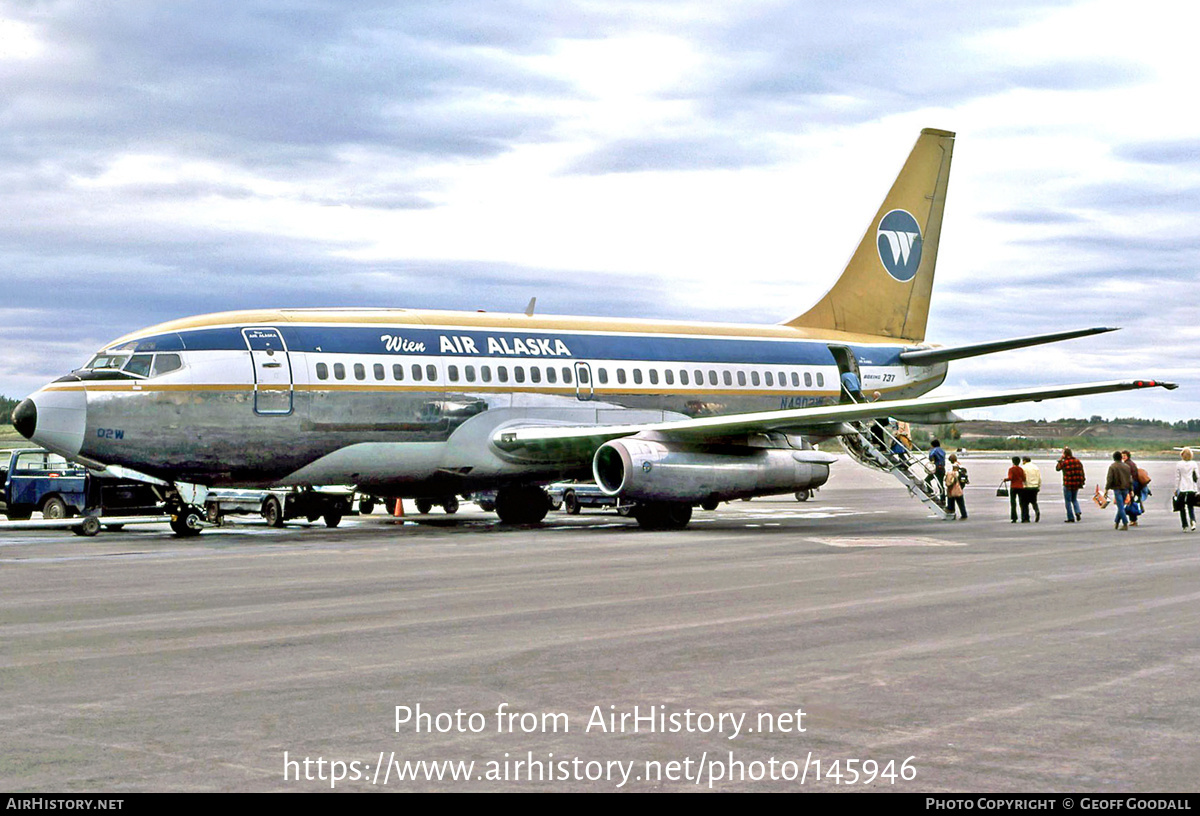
6	408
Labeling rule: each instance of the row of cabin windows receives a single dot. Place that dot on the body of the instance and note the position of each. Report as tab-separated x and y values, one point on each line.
469	373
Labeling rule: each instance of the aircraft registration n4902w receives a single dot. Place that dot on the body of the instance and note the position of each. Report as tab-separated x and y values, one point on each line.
429	404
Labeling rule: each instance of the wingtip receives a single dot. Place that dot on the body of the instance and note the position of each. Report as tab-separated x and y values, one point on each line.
1170	386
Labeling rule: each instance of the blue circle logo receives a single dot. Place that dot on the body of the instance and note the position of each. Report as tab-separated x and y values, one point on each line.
898	240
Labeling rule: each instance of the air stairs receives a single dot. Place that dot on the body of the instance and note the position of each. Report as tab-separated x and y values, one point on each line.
871	442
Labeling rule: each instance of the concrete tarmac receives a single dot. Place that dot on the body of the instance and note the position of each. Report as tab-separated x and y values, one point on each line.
924	655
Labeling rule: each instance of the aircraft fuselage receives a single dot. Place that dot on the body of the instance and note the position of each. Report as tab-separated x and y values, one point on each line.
407	400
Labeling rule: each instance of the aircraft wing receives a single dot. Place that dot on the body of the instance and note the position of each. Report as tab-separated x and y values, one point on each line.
559	443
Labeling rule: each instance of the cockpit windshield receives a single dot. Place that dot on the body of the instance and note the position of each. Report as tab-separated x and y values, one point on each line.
107	362
120	365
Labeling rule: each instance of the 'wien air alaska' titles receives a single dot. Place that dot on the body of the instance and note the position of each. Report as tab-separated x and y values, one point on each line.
511	347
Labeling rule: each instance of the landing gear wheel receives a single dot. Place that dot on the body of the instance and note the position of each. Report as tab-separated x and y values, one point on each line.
663	515
366	507
272	511
526	504
424	506
803	495
571	503
450	505
186	523
89	527
710	504
333	518
54	508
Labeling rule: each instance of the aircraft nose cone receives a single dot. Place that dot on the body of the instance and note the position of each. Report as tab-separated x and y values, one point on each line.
24	418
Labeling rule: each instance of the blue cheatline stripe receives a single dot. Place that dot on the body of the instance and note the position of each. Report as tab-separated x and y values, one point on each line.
408	341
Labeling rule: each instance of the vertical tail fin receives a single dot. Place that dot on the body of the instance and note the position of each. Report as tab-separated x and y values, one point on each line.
885	288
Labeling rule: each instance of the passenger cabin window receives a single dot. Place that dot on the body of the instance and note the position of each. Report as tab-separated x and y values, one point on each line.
621	376
535	374
360	372
470	372
670	376
322	371
486	371
637	376
807	380
519	373
339	371
602	373
416	372
583	376
741	375
398	372
795	380
728	378
430	372
683	376
566	378
378	369
452	373
754	377
820	380
502	373
551	375
654	376
769	378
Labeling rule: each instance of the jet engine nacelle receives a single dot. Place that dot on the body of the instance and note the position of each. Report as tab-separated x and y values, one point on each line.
652	471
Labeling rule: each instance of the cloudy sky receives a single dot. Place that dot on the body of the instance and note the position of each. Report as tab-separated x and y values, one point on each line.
678	159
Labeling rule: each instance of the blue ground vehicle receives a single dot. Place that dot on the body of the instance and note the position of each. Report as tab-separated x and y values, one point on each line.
37	481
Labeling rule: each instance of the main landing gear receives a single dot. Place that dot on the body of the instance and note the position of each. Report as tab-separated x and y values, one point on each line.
663	515
522	504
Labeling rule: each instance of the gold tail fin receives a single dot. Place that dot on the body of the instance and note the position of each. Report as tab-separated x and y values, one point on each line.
885	288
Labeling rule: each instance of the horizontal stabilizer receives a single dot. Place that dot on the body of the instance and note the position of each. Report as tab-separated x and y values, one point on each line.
944	354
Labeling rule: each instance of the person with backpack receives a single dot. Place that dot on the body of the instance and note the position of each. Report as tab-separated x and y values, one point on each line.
954	488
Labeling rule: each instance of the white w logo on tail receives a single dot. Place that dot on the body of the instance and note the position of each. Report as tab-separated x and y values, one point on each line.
898	239
901	243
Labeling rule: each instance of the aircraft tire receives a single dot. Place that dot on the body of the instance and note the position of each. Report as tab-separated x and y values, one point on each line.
89	527
333	518
525	504
272	511
803	495
366	507
54	508
710	504
663	515
424	506
185	523
450	505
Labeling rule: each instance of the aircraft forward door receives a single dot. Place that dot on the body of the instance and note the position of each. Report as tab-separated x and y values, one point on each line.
272	371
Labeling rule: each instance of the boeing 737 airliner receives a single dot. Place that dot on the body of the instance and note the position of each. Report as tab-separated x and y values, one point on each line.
405	403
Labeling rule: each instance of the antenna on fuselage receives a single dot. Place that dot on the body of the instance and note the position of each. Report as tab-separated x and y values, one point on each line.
529	308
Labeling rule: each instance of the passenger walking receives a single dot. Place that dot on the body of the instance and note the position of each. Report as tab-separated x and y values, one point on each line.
1073	480
1016	490
954	490
1033	483
1187	489
1120	483
937	456
1135	492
